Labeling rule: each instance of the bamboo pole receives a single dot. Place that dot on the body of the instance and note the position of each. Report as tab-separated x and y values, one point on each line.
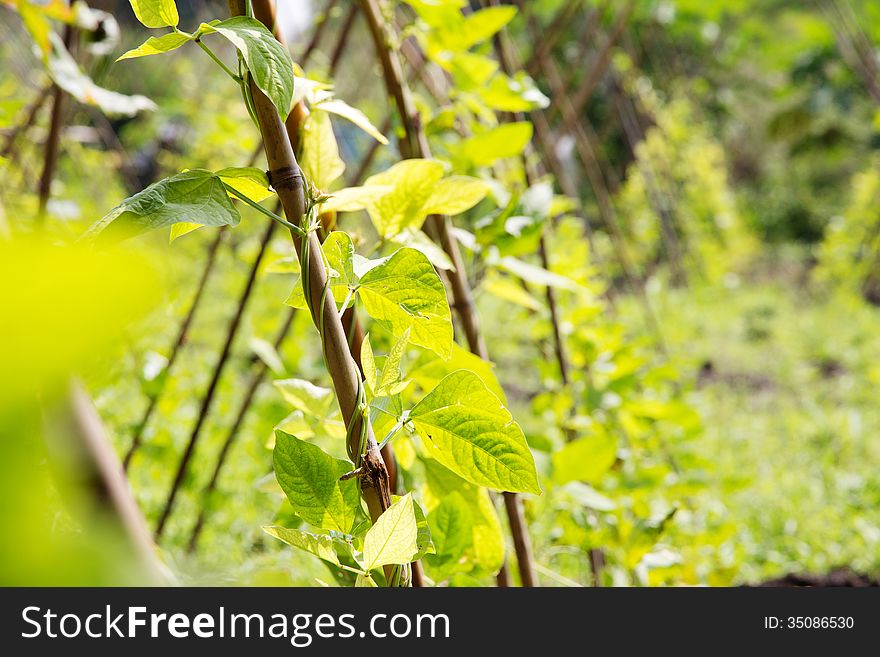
210	393
287	180
415	144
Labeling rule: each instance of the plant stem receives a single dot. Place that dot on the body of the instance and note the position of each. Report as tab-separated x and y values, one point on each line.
231	332
219	62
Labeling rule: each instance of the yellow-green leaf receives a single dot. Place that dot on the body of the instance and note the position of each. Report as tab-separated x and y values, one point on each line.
585	459
320	158
405	293
158	45
455	195
311	480
488	147
346	111
156	13
393	539
467	428
412	182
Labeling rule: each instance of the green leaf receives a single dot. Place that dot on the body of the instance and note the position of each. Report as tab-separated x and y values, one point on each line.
65	72
267	353
368	363
432	372
156	13
158	45
466	428
481	25
517	94
504	288
390	382
589	497
486	549
585	459
350	199
249	181
181	229
320	153
394	537
339	251
310	479
418	240
37	25
305	396
365	581
488	147
451	527
423	534
405	292
195	197
321	545
455	195
267	60
412	182
346	111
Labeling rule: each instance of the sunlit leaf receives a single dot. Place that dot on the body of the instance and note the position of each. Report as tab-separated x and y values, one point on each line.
156	13
488	147
455	195
585	459
467	428
321	545
250	181
393	539
405	293
320	159
158	45
346	111
67	75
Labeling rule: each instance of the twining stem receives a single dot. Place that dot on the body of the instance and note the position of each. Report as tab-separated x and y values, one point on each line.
415	144
287	180
176	348
207	400
260	369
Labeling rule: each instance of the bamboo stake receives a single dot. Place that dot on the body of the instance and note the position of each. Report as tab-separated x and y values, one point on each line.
78	443
50	159
287	180
208	399
257	377
30	117
176	347
415	144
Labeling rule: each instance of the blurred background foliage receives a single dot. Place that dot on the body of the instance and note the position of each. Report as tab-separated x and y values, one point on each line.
726	377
